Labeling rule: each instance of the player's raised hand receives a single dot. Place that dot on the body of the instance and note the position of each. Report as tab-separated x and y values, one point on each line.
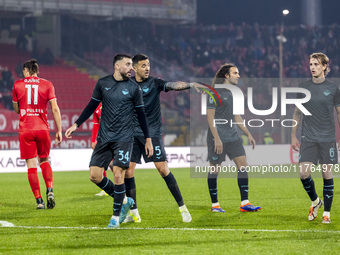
251	141
58	138
70	130
295	144
148	147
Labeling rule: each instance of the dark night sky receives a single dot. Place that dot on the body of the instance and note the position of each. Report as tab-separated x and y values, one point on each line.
261	11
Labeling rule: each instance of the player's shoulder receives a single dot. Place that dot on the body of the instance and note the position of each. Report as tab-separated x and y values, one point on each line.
45	82
306	83
106	78
220	91
132	84
156	79
106	81
19	82
331	83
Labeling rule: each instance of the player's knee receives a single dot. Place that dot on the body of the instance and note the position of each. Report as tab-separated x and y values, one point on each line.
163	171
327	175
95	178
118	179
129	173
304	175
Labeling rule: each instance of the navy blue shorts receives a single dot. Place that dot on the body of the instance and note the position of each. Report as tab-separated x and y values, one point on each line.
318	153
233	150
104	152
138	151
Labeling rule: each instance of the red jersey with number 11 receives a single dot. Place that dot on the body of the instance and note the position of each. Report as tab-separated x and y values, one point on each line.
32	95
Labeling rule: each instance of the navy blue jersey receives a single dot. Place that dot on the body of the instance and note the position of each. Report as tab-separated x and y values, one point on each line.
320	126
119	99
226	132
151	89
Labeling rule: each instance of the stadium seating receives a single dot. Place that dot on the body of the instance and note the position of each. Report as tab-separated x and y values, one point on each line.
73	88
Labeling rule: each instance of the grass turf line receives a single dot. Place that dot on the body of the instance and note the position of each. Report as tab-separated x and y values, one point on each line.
285	207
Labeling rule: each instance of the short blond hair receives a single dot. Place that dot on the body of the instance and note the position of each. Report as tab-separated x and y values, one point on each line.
323	59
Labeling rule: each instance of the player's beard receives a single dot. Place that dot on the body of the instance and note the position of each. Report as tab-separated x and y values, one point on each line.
125	76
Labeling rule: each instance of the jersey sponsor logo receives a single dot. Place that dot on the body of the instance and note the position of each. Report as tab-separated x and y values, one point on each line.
22	112
125	92
146	89
326	92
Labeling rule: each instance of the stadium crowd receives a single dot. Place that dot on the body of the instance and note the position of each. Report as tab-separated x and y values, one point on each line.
200	50
6	84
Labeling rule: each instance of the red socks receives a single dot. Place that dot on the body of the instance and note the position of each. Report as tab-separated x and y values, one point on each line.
47	174
34	182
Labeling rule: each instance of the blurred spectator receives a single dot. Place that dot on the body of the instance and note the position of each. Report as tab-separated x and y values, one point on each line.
47	57
183	103
35	52
18	70
245	140
268	139
7	78
22	41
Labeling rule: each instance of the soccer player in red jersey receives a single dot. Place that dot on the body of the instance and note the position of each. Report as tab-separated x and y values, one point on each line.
96	123
30	98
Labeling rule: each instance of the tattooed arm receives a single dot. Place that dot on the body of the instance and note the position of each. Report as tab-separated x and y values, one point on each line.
178	85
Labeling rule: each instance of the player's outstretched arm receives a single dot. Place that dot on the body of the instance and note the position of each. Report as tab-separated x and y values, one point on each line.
70	130
57	120
180	85
87	112
294	141
239	120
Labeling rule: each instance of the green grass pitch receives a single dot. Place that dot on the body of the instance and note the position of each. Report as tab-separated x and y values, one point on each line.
77	225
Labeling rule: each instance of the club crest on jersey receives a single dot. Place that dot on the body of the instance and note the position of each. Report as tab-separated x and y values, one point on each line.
125	92
146	89
326	92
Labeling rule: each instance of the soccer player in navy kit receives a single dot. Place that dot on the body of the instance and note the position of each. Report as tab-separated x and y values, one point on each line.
121	98
152	87
223	139
318	140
